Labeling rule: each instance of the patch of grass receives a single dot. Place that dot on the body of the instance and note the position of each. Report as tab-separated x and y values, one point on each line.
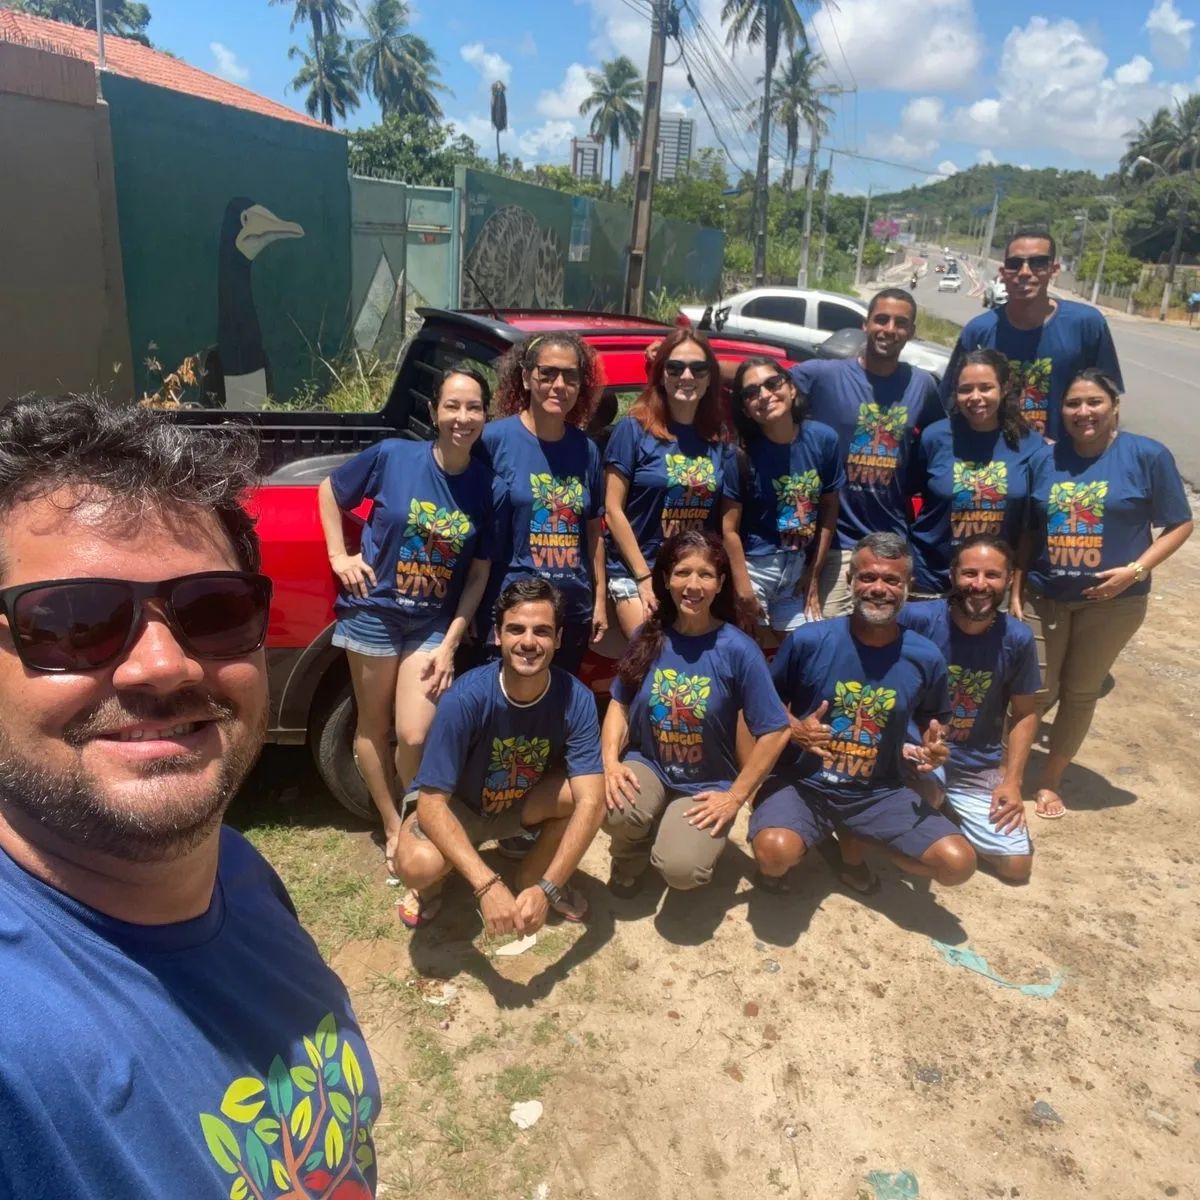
432	1066
544	1031
522	1082
552	943
938	329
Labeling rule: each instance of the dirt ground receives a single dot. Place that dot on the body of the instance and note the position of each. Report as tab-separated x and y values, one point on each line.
724	1043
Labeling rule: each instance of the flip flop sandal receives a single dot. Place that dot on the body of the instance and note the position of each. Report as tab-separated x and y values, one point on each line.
860	879
425	913
1038	801
573	907
773	885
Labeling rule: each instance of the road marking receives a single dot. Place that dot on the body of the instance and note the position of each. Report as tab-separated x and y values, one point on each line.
1189	383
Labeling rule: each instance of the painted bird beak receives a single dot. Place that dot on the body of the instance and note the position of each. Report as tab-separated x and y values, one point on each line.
261	227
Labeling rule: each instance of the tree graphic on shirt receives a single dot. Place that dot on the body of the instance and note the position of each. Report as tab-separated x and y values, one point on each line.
692	481
305	1132
796	499
434	534
557	503
678	702
517	762
980	485
878	432
860	711
1077	508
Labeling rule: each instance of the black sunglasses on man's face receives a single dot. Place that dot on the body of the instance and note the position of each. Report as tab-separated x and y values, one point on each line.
1036	262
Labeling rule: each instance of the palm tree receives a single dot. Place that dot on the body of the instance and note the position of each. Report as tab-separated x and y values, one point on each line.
499	115
616	88
1169	141
794	99
396	67
324	17
768	22
328	75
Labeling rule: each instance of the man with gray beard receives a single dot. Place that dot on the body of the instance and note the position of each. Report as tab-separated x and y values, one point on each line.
853	685
169	1028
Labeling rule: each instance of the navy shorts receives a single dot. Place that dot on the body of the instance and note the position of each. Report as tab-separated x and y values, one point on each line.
896	817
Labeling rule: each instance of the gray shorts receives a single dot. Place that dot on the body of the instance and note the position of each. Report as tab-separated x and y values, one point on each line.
479	827
622	587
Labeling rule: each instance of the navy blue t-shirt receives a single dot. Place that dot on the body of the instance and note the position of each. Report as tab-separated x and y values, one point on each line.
553	490
1044	360
1090	514
176	1060
489	751
873	692
673	486
874	417
785	486
683	719
425	527
986	670
969	483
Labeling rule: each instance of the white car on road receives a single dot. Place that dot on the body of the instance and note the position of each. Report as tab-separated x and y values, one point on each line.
804	315
949	283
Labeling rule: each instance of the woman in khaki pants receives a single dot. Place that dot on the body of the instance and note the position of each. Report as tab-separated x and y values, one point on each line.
1097	496
671	776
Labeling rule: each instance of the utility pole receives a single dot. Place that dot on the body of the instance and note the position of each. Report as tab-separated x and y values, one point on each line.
825	219
1103	255
100	34
643	188
862	240
985	250
814	143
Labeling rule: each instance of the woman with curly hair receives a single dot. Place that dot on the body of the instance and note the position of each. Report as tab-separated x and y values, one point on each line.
672	781
667	469
972	470
548	471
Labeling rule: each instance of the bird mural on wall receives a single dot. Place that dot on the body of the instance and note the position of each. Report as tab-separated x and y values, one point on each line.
237	374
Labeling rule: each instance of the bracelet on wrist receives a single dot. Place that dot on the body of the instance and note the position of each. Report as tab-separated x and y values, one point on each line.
1139	571
642	578
483	887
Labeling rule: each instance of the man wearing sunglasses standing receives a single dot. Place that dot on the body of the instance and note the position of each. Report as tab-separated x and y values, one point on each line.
169	1028
1047	341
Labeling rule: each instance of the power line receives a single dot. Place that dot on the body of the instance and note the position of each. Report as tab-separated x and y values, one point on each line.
887	162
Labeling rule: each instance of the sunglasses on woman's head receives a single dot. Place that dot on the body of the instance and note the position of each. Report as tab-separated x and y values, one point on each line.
772	383
1037	262
87	624
675	367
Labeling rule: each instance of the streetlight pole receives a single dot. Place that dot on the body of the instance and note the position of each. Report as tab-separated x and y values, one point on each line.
1103	255
1177	244
825	219
100	34
862	240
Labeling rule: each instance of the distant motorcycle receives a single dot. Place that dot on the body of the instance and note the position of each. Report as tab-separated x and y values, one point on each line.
912	283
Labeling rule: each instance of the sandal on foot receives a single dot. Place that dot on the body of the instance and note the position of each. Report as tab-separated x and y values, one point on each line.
773	885
623	886
416	911
1046	797
573	906
859	878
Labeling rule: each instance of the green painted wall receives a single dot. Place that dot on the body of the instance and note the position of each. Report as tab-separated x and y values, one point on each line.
179	160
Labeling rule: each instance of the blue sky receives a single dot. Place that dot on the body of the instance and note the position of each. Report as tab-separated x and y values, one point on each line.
942	84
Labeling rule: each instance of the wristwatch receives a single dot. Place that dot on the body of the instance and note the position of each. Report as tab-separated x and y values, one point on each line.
551	890
1139	571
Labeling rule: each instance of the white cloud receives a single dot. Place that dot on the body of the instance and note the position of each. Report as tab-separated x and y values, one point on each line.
489	65
1170	34
527	47
919	134
1055	92
985	158
1136	71
902	45
552	140
946	167
562	102
227	63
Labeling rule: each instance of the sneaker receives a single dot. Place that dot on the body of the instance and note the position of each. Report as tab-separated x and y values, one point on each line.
519	845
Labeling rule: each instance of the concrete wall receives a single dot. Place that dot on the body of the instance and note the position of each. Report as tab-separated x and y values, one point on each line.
62	303
180	161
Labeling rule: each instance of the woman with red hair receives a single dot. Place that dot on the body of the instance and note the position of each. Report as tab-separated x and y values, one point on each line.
668	469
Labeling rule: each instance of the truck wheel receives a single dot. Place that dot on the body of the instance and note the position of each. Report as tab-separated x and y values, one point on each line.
332	743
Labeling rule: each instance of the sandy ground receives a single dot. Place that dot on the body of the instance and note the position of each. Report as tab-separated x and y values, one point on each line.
723	1043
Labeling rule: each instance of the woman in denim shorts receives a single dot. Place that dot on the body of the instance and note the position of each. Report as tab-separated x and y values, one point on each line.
409	595
789	502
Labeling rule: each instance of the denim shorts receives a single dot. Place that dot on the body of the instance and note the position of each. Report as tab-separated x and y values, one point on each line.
775	578
367	631
969	794
622	587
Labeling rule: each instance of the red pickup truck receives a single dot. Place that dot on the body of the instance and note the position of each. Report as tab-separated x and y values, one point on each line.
311	699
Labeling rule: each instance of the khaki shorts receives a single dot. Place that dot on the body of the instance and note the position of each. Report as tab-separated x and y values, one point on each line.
479	827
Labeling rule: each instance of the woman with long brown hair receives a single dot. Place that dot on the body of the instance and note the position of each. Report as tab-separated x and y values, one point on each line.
549	471
667	469
672	781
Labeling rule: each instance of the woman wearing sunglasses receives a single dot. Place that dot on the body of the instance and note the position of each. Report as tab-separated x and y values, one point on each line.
667	469
790	502
408	596
549	471
1097	497
672	781
971	471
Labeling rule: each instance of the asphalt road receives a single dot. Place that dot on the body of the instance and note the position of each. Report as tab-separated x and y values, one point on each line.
1160	364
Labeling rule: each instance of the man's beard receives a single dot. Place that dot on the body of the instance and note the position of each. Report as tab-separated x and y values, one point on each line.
73	808
873	615
960	600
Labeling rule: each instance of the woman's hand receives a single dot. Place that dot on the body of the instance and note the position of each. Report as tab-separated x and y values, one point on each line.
648	598
438	673
621	787
714	811
749	611
809	587
1016	609
599	619
1110	583
355	576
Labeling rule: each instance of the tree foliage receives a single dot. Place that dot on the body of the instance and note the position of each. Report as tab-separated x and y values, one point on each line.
394	65
121	17
614	103
414	149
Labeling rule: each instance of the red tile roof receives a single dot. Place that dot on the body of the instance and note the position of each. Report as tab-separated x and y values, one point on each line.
135	61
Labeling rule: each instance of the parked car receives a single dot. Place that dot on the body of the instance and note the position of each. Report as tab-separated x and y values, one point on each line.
311	700
763	312
949	283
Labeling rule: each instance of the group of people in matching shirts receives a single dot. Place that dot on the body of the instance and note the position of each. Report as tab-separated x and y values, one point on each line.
932	569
